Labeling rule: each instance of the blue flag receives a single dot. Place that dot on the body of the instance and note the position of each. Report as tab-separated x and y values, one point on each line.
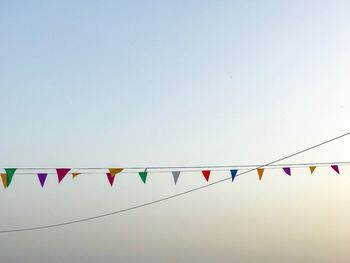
233	174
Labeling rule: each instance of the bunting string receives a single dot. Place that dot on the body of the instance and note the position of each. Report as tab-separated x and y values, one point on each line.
182	169
112	172
144	176
191	168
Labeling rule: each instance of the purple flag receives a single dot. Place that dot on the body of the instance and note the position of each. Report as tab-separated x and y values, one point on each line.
42	179
287	171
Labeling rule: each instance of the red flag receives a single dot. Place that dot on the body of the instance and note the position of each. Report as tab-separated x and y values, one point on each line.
206	174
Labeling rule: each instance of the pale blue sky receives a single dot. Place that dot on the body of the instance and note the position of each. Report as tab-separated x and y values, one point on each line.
88	83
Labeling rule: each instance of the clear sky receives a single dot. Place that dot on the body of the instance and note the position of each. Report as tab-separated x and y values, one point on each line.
147	83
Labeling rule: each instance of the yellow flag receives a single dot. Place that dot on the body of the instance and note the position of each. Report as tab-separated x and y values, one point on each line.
115	171
312	169
75	174
4	180
260	172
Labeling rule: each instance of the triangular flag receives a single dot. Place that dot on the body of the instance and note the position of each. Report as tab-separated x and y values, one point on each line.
9	175
206	174
143	176
176	175
42	178
335	168
75	175
287	171
260	172
110	178
115	171
3	178
312	169
61	173
233	174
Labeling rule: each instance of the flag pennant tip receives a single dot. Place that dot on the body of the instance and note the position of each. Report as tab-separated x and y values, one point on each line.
176	175
233	173
287	170
335	168
4	180
9	175
115	171
206	174
312	169
61	173
260	173
110	178
75	175
143	176
42	178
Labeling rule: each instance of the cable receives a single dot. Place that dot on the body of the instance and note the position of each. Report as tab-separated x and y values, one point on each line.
211	168
169	197
182	169
169	168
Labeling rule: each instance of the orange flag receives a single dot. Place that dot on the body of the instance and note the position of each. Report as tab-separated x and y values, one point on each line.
4	180
115	171
312	169
260	173
75	174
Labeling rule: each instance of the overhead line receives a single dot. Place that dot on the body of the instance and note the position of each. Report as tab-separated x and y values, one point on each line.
169	197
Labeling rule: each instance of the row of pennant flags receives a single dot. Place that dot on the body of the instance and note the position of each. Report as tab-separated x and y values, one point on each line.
112	172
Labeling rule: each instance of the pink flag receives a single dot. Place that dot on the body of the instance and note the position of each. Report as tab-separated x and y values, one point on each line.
61	173
336	168
110	178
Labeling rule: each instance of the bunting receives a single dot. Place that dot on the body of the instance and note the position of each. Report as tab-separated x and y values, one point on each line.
4	180
312	169
335	168
110	178
75	175
176	175
206	174
42	178
9	175
233	174
61	173
287	170
143	176
115	171
260	172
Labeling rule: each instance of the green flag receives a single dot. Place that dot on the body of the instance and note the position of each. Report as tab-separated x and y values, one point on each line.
143	176
9	174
